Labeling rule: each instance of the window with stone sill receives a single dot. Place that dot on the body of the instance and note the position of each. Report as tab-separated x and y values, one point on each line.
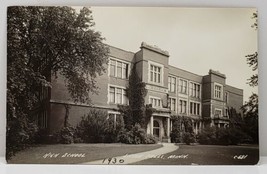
194	89
172	104
218	91
118	69
155	74
182	106
172	84
194	108
155	102
183	86
117	95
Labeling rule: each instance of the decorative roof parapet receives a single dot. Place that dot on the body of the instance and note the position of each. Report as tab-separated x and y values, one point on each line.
217	73
155	48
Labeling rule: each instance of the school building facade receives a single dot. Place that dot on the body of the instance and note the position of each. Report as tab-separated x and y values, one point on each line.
171	91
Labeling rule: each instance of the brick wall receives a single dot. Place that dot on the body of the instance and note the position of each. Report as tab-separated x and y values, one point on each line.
235	98
59	92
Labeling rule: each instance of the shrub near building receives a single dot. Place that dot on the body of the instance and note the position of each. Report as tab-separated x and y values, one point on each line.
223	136
136	135
182	130
97	127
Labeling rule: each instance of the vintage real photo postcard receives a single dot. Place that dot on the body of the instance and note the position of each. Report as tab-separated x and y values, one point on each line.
132	85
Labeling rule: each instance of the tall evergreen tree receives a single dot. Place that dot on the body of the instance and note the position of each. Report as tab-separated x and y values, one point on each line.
136	92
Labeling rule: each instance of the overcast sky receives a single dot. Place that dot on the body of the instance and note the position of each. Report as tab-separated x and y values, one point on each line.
197	39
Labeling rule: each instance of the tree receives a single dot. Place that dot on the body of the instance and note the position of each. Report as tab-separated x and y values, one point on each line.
137	112
45	41
250	108
136	92
182	129
236	119
252	60
251	117
255	24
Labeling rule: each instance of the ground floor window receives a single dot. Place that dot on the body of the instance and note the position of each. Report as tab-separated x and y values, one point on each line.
115	119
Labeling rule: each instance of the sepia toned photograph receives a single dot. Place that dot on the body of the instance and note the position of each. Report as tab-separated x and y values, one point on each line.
132	85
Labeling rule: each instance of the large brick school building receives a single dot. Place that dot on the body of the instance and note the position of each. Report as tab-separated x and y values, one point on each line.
171	91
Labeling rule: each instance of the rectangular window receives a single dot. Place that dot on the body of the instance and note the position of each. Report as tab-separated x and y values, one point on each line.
191	108
114	119
194	108
111	94
218	113
172	104
198	109
172	84
155	74
112	68
117	95
183	86
156	102
194	89
190	88
198	91
182	106
118	69
124	71
125	99
218	91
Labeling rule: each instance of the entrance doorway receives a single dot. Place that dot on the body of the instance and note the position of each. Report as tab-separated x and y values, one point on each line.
156	128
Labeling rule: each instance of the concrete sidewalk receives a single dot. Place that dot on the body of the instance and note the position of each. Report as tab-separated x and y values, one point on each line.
132	158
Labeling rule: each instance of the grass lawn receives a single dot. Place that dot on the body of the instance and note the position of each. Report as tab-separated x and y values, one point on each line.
207	155
88	152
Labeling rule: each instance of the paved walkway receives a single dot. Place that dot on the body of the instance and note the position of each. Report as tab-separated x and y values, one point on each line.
132	158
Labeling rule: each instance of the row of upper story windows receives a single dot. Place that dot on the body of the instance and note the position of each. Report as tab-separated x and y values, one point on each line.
194	88
120	69
181	106
117	95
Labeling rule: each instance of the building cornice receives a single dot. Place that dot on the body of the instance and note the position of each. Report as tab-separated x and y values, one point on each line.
155	49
